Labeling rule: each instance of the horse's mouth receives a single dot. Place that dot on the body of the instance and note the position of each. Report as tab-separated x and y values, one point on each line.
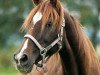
25	68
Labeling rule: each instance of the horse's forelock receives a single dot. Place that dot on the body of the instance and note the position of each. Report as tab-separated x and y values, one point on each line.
48	12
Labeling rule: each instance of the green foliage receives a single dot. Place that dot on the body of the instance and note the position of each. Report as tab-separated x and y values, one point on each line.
12	14
89	16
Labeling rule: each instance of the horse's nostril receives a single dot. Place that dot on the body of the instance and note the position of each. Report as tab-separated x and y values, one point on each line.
15	59
24	58
20	60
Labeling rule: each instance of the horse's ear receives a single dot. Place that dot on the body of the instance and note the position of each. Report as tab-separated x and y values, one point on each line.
53	2
36	2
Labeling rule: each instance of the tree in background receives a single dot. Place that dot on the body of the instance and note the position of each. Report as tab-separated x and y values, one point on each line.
89	11
12	14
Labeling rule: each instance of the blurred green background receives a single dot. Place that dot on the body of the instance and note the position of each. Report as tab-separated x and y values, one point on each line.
13	13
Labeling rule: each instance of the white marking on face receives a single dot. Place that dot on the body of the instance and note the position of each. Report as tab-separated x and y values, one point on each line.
22	50
37	17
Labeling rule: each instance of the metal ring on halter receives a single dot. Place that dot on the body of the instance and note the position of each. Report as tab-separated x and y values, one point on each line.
43	51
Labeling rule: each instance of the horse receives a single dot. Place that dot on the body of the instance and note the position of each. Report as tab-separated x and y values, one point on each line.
55	43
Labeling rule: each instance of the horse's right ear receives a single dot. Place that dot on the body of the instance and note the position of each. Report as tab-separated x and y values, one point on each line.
36	2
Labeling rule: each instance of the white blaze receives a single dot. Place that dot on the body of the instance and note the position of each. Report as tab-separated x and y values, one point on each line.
37	17
22	50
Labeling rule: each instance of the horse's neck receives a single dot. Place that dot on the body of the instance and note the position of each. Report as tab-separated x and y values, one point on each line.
54	66
78	54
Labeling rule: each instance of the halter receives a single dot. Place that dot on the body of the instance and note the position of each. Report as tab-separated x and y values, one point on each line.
44	50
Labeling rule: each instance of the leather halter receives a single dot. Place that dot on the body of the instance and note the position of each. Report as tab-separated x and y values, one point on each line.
43	50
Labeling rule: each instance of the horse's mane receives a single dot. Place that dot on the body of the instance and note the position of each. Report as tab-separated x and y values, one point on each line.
49	12
81	46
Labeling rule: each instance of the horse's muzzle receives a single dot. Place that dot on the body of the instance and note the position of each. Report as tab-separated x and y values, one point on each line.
23	64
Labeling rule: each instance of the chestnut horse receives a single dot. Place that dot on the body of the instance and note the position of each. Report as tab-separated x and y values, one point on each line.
55	43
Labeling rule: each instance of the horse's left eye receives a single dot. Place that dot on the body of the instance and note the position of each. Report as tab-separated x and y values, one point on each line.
49	24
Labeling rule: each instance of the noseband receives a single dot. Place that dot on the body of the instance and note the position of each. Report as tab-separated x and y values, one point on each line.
43	50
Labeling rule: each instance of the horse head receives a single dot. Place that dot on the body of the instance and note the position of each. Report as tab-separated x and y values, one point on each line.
44	27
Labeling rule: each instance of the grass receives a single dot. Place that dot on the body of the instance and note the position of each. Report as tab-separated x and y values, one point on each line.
6	63
8	71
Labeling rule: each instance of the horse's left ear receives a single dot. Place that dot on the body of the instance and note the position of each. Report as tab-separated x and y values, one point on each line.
36	2
53	2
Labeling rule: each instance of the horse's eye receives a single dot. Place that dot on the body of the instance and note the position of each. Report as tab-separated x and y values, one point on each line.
49	24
